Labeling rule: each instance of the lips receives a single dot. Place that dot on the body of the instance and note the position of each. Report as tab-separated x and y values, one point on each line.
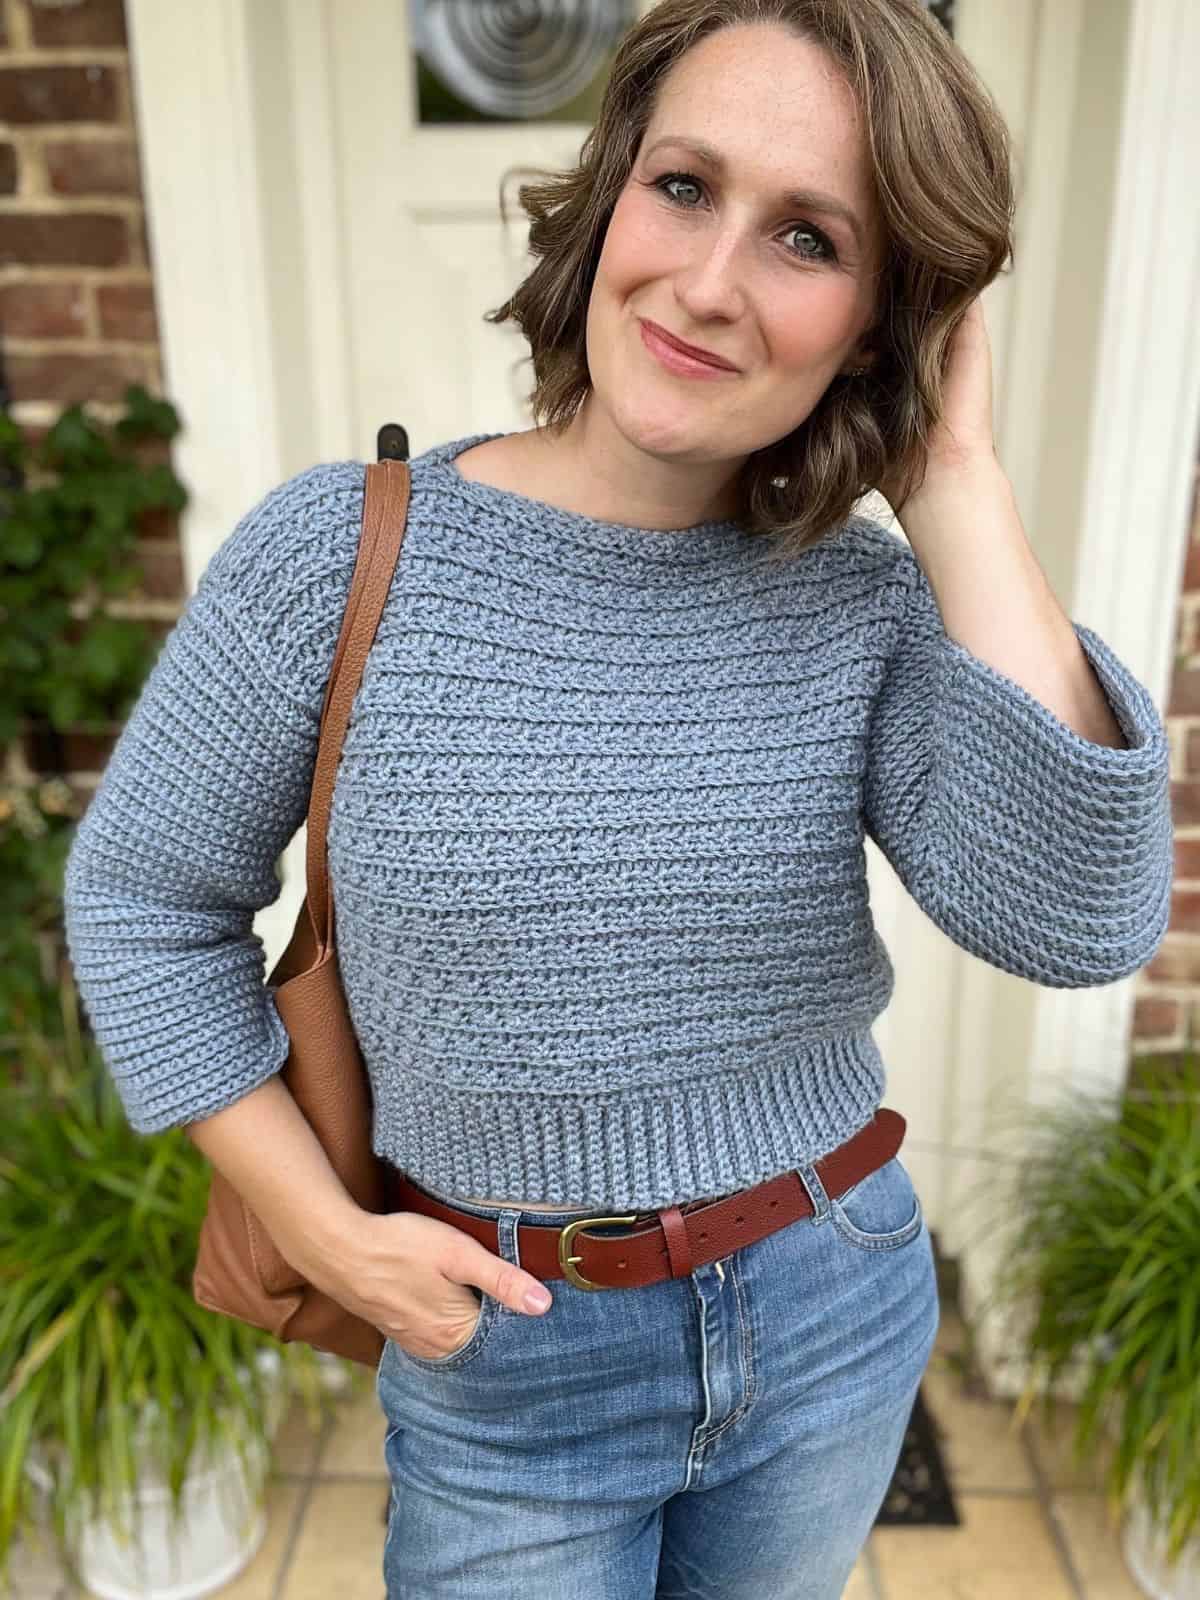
692	350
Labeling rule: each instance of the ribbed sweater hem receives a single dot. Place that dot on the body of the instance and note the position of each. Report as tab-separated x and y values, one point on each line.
632	1149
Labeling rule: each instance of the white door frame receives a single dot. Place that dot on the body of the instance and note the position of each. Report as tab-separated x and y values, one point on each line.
237	156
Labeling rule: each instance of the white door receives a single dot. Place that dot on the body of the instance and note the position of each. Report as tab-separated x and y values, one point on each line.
434	101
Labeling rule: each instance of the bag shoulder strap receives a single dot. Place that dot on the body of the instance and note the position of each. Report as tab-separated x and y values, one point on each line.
385	517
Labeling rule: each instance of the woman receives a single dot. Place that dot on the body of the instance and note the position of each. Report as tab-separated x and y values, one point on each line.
642	684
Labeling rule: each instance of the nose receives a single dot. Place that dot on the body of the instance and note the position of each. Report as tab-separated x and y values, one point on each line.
710	284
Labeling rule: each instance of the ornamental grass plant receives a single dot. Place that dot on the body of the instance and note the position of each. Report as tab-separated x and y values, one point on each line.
1105	1261
110	1374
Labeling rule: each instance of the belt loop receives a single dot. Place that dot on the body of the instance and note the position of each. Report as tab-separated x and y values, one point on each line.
508	1237
679	1248
810	1178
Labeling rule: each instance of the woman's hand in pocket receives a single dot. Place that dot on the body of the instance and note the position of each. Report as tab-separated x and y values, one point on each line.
411	1276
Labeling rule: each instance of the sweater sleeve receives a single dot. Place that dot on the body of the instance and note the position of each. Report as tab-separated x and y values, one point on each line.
206	784
1045	854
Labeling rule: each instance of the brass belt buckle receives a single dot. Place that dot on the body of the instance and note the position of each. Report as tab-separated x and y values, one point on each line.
566	1237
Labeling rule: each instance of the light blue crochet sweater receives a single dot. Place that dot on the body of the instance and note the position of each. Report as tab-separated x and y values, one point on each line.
596	846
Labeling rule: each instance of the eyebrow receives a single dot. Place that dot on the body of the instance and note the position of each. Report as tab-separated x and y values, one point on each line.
802	199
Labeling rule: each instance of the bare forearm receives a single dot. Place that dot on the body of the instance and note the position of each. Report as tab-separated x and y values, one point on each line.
997	603
265	1147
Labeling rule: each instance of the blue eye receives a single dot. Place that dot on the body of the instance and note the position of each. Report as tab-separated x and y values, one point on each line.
676	177
829	253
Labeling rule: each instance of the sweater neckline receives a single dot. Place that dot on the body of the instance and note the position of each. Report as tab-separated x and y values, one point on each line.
700	538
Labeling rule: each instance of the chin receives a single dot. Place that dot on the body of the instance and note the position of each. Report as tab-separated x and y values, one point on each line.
660	426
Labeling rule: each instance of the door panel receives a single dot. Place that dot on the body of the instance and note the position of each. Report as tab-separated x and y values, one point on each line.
433	103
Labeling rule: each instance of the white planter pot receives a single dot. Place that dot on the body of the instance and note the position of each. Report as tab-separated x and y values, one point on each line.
1143	1545
222	1524
334	1372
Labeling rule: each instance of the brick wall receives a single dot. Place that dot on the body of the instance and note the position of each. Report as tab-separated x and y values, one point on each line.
77	314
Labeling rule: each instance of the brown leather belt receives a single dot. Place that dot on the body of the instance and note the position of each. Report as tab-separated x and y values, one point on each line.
676	1240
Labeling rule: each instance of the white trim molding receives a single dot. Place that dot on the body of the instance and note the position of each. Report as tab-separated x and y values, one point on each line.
192	75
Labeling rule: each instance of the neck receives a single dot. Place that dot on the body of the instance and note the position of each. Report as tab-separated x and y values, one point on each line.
596	471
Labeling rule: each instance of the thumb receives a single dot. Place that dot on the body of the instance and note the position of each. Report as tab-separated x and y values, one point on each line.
506	1282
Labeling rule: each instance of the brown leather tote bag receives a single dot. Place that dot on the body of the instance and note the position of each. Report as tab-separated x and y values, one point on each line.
239	1272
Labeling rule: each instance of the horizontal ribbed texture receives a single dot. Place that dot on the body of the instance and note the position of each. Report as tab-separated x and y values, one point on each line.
597	839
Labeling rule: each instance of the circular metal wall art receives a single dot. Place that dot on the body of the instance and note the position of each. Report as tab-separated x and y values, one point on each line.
517	58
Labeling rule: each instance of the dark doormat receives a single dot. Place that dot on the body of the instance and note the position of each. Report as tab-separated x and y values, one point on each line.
919	1494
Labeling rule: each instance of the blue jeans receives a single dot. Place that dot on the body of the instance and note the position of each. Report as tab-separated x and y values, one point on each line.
730	1435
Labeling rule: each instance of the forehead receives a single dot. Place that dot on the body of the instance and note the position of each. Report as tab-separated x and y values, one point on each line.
768	99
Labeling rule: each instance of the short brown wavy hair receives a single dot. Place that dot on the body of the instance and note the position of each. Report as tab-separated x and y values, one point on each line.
940	152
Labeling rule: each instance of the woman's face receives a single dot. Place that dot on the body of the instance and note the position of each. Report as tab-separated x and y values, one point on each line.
729	258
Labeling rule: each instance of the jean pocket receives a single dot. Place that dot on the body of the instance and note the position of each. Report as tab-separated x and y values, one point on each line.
881	1211
489	1314
379	1363
462	1353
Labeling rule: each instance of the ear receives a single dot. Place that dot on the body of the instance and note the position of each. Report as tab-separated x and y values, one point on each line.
861	359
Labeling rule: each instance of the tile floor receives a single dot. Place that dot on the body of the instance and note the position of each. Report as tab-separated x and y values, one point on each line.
1033	1527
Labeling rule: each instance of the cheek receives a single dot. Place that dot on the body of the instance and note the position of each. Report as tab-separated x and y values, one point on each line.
636	246
817	322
